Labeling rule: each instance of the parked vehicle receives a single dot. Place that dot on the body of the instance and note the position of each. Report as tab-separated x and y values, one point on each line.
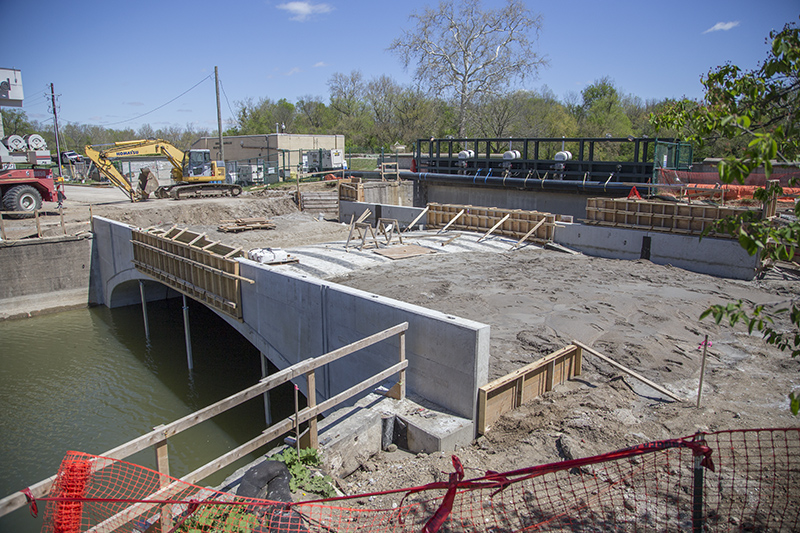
70	157
24	189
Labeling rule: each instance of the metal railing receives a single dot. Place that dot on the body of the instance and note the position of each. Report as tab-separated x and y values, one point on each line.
158	437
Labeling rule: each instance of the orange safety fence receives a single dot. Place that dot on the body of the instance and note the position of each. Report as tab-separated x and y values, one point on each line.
739	480
708	183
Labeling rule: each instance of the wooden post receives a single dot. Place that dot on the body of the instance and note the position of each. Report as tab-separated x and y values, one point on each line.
162	465
61	212
3	228
451	221
38	224
398	391
485	235
523	239
702	371
311	381
417	219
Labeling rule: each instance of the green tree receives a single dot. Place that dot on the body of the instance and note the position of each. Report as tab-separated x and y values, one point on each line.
15	122
601	113
464	52
760	108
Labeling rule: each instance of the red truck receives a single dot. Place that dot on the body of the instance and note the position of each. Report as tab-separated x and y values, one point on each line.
24	189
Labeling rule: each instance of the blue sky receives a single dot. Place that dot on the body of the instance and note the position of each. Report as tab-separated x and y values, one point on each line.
112	61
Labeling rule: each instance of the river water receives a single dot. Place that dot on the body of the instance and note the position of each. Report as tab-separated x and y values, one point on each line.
88	380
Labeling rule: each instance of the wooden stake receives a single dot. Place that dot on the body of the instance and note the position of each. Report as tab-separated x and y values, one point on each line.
485	235
417	219
451	221
628	371
702	371
525	238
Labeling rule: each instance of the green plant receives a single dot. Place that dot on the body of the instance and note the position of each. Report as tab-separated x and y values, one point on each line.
760	110
302	479
228	518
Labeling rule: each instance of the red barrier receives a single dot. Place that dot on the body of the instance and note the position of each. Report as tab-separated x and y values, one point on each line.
742	480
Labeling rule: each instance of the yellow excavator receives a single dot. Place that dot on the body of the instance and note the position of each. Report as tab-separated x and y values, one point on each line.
194	173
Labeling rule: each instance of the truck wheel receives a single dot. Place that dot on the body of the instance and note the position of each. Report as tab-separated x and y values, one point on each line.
22	198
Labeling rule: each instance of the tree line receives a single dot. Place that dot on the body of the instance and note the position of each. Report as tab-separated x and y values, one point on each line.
381	113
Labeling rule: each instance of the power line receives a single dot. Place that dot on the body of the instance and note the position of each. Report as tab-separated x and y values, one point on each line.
159	107
233	115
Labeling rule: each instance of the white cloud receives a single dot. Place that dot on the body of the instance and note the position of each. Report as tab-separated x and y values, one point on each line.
134	104
722	26
183	110
302	10
295	70
320	64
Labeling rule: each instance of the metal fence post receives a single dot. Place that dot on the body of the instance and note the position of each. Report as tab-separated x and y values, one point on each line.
697	496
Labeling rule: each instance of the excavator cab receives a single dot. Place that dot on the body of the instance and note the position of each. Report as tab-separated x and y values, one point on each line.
197	163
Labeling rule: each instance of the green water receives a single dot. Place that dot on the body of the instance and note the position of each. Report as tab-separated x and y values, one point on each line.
88	380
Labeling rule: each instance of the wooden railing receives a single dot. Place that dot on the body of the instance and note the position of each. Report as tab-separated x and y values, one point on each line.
42	220
158	437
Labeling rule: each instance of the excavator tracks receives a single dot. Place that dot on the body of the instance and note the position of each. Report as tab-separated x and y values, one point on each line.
201	190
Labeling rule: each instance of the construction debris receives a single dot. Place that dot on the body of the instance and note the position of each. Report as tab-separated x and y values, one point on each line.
271	256
245	224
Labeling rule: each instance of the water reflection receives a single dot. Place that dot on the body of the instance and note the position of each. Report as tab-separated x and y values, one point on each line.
89	380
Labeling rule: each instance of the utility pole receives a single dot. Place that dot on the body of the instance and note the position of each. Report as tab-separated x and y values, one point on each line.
55	127
219	123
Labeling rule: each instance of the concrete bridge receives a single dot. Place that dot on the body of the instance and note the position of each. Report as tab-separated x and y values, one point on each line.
290	317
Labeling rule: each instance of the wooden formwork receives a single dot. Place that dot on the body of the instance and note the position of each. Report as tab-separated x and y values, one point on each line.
351	190
512	390
326	203
692	219
481	219
193	265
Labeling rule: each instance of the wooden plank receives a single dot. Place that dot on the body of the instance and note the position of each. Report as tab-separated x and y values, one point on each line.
628	371
286	425
451	221
485	235
523	239
508	392
422	214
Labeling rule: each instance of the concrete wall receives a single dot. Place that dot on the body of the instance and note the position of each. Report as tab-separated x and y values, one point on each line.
118	279
291	318
389	192
38	275
36	266
717	257
404	215
559	203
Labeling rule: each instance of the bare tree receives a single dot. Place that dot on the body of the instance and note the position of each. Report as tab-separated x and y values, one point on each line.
462	50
